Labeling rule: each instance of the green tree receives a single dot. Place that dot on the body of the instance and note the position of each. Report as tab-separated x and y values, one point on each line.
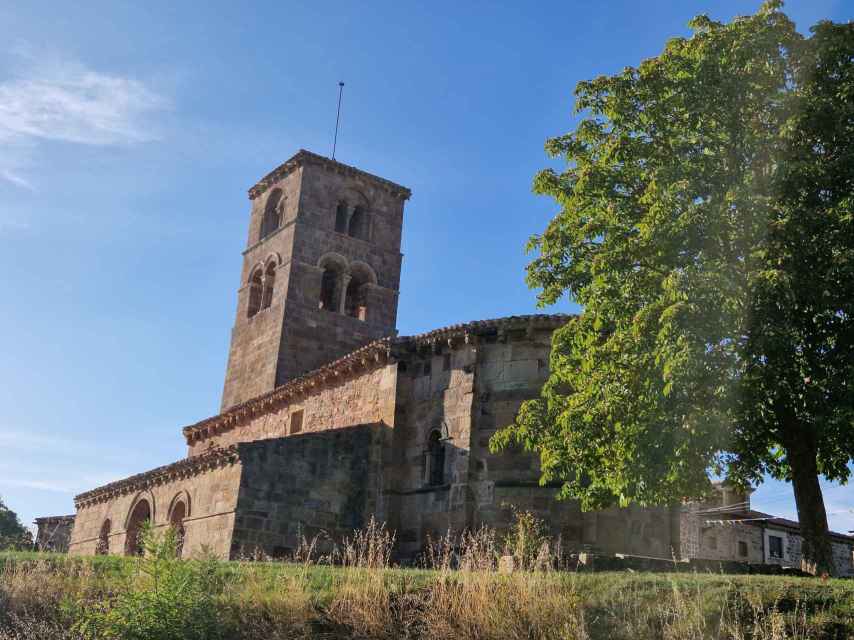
706	226
12	533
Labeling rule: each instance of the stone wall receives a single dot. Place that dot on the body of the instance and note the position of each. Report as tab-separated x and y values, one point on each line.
304	485
365	397
511	368
722	537
435	396
54	533
211	496
740	542
255	341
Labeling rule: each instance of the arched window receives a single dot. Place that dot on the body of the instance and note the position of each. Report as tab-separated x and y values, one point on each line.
329	289
359	224
341	218
269	284
435	460
356	298
103	546
176	521
356	303
139	516
272	214
255	293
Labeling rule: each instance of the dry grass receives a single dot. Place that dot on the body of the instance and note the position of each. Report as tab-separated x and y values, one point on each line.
458	594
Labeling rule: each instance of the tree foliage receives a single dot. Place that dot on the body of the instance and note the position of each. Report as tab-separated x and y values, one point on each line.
706	228
13	534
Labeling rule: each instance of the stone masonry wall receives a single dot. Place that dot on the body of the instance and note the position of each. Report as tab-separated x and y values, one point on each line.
312	336
511	369
212	497
255	340
54	533
843	552
435	394
720	542
365	397
300	486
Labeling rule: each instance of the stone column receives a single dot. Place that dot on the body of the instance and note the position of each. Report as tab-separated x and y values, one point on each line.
345	281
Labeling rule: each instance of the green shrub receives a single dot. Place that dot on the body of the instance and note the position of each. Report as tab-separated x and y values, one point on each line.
166	599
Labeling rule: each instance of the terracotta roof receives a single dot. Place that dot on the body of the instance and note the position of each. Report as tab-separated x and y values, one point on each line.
305	157
374	352
218	457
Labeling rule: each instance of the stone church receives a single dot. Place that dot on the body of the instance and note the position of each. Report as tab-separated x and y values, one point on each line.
329	417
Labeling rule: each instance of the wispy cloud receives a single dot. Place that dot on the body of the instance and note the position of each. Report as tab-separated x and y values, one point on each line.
72	485
48	101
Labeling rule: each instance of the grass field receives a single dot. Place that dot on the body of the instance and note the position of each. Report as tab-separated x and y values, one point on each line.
159	598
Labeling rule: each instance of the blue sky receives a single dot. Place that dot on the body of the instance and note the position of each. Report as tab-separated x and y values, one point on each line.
130	132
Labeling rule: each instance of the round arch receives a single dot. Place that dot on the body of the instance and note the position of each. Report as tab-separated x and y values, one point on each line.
273	258
181	496
272	218
141	511
335	260
103	546
354	198
363	271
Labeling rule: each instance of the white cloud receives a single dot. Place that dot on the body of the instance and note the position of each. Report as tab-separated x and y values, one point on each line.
64	101
10	176
71	485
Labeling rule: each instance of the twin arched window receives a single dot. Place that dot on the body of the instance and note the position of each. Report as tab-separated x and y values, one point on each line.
262	282
354	221
345	288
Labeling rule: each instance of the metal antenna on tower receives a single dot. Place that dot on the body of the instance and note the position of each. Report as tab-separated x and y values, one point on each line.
337	118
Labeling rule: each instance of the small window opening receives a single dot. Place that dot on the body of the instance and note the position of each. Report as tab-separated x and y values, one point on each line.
446	362
255	294
436	460
296	421
272	213
712	542
775	546
269	285
428	368
742	549
341	218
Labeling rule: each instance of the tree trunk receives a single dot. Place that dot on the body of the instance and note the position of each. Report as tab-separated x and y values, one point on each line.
816	554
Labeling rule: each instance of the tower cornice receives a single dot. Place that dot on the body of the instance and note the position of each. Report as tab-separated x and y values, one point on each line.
303	157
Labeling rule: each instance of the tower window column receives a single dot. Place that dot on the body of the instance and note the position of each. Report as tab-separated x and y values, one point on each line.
342	292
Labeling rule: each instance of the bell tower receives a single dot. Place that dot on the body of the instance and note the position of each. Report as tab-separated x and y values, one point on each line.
321	272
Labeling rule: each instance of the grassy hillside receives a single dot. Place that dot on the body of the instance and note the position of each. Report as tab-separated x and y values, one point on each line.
54	597
160	598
